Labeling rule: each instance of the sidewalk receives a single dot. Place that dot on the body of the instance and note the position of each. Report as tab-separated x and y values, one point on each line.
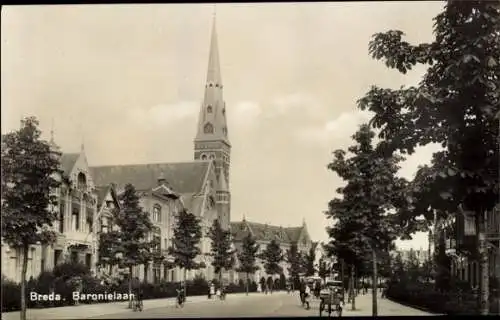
385	308
92	310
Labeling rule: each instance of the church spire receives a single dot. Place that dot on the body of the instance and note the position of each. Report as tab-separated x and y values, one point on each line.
212	124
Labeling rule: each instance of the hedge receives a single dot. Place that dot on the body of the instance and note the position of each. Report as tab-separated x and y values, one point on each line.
425	296
66	278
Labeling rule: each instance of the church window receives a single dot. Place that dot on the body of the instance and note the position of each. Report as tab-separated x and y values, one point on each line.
203	157
209	128
156	213
209	109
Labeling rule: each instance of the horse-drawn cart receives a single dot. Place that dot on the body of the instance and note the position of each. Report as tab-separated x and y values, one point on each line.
331	298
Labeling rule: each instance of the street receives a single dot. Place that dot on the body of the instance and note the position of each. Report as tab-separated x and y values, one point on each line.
278	304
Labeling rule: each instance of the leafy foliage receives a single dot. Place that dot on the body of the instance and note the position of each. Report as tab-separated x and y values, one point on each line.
187	236
323	268
135	226
295	262
221	252
309	267
454	105
29	174
362	221
272	257
248	255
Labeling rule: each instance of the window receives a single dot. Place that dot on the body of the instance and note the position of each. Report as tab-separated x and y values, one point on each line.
57	256
62	210
224	110
224	131
82	181
156	213
74	257
109	204
165	243
88	259
76	218
104	225
209	128
212	157
203	157
209	109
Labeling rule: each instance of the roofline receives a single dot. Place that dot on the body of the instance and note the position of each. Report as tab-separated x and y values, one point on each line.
147	164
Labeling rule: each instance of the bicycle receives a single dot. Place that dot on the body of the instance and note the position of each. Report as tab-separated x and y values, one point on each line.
181	299
138	305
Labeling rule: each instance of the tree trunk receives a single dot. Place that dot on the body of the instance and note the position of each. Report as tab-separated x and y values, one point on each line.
185	284
248	280
484	267
130	268
374	284
353	296
24	252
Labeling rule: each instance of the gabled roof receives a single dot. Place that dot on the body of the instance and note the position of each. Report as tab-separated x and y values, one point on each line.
102	192
186	177
67	162
264	232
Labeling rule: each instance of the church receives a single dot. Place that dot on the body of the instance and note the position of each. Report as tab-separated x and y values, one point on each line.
89	194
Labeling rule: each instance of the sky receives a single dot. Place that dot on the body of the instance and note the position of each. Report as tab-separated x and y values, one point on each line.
128	80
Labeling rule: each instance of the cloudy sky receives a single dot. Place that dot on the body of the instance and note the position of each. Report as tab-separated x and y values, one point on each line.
128	80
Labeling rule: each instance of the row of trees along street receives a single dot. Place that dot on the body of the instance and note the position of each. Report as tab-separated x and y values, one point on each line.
29	173
455	105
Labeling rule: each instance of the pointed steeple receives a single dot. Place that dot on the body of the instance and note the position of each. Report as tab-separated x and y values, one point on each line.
52	142
212	124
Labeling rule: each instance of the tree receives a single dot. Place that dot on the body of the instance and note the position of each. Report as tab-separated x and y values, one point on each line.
220	250
248	257
294	259
134	227
272	257
310	258
30	172
187	236
363	219
108	249
454	105
323	270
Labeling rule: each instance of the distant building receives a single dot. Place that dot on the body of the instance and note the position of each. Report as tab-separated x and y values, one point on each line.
264	234
421	255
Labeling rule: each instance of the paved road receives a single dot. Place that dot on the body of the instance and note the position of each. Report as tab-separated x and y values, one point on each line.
260	305
279	304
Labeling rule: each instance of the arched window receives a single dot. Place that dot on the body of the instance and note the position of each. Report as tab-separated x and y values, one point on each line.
81	181
209	128
156	213
212	156
209	109
203	157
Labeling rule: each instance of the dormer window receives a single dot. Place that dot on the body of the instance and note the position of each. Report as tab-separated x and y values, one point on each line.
209	109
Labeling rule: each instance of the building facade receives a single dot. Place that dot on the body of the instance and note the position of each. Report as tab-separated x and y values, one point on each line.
200	186
76	211
264	234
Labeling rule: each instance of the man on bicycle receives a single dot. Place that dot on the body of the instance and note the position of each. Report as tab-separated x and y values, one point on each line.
139	295
181	297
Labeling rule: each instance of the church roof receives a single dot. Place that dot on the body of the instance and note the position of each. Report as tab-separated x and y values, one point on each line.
264	232
68	161
185	177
